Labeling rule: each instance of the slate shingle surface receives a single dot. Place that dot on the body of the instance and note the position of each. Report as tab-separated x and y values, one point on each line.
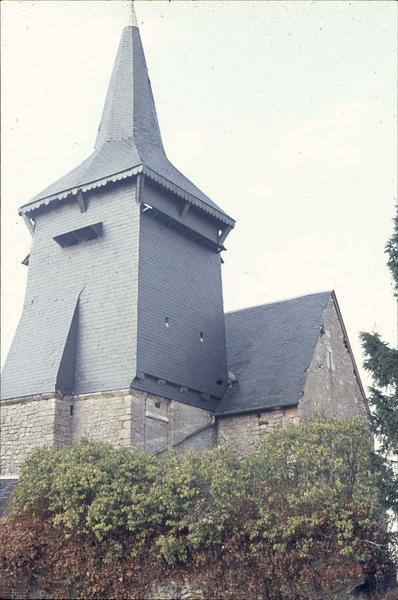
104	272
6	488
129	133
180	279
269	349
44	327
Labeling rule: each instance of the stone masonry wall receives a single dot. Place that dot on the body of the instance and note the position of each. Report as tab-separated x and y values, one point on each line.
242	432
150	422
121	417
63	420
332	387
195	590
159	423
25	424
103	417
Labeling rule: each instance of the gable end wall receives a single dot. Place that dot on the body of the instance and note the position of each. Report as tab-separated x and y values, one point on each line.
332	387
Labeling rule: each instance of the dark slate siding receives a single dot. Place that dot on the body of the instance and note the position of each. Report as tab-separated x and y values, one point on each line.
172	206
180	279
66	378
270	349
104	271
33	362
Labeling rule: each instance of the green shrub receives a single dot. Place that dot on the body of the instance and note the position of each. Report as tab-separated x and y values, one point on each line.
302	509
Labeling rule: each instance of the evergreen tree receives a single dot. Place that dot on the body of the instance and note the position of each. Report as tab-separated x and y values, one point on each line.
382	362
392	251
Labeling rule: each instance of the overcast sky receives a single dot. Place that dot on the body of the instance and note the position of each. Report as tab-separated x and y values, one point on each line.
284	113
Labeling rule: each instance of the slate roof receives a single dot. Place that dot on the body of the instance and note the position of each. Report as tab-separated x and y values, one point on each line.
129	134
269	349
7	486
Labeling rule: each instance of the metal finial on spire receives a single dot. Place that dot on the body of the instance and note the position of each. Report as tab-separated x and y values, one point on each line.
133	17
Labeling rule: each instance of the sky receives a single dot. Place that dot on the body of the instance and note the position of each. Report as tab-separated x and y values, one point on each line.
284	113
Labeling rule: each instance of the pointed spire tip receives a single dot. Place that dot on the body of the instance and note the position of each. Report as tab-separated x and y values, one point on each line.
132	16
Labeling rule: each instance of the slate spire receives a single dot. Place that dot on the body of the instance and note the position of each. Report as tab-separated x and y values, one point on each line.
132	15
128	137
129	110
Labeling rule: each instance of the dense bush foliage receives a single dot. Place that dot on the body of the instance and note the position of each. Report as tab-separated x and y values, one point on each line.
300	512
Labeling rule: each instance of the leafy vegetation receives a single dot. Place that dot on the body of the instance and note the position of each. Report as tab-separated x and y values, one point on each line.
382	363
301	512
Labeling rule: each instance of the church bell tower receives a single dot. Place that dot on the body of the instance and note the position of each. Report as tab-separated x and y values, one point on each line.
124	285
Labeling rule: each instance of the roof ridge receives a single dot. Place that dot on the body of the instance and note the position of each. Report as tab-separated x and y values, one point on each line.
281	301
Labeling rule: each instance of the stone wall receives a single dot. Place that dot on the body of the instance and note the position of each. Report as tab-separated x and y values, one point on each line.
63	419
150	422
159	423
188	420
242	432
332	386
121	417
25	424
194	590
103	417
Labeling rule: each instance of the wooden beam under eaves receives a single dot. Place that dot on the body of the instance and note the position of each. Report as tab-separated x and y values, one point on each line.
224	234
140	187
28	222
185	209
81	200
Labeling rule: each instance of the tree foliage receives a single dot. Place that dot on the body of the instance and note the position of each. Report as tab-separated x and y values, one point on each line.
300	512
381	361
392	253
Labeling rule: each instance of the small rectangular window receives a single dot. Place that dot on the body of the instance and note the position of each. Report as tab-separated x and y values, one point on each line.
77	236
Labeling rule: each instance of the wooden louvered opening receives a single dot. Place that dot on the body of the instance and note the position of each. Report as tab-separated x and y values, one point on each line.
77	236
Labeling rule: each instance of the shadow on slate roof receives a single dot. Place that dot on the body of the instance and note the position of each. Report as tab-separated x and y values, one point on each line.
269	349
